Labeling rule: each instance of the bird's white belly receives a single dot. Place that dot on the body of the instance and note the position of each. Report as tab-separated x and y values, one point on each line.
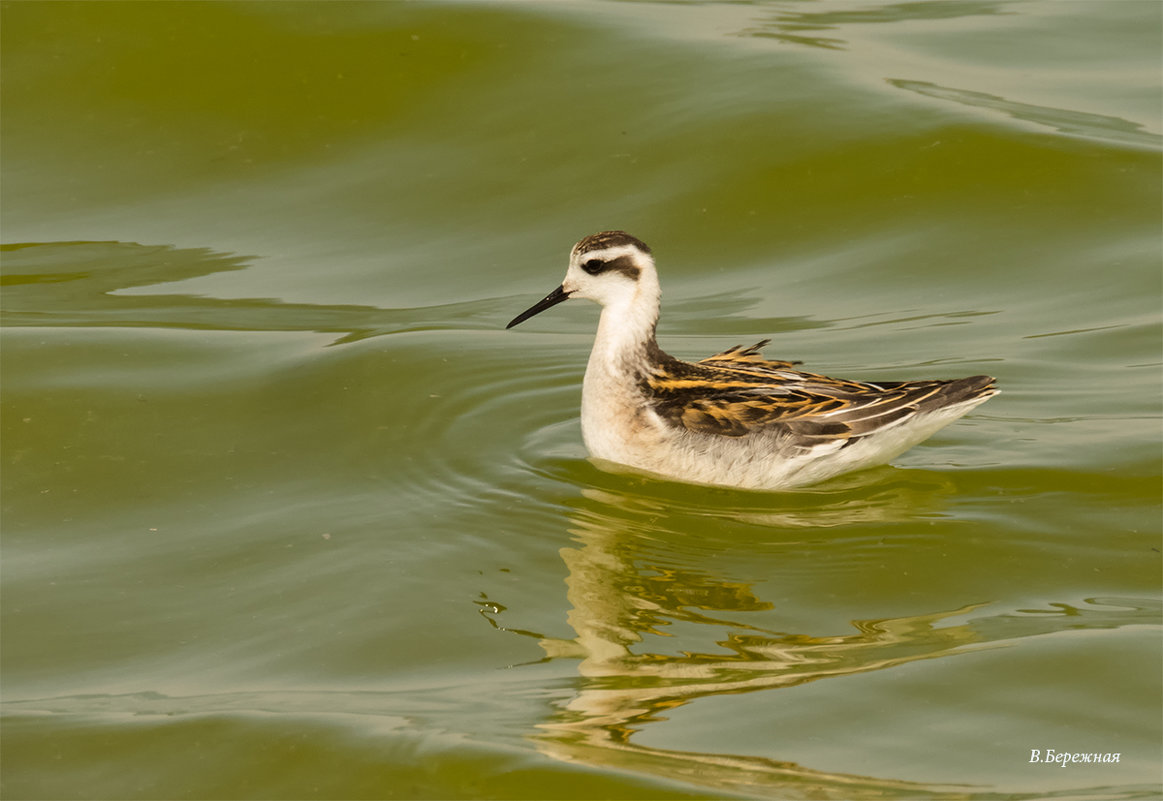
740	462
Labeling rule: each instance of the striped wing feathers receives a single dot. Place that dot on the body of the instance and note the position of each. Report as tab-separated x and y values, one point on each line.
747	360
738	392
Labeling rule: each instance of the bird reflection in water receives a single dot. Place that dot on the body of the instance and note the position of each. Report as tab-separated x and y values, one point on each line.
617	600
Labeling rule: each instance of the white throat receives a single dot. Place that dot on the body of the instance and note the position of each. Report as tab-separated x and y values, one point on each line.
627	326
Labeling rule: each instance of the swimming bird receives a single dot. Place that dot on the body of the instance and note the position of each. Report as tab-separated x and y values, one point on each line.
733	419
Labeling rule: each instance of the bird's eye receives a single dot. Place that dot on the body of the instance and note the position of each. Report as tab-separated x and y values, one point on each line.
593	266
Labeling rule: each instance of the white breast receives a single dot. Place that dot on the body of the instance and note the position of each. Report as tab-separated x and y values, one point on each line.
617	424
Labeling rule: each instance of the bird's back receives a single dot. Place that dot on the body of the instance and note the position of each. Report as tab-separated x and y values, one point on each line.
741	409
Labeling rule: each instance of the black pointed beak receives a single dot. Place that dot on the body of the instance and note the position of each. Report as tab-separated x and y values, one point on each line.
552	299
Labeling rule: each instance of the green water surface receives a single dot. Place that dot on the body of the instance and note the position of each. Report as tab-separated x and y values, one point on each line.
287	513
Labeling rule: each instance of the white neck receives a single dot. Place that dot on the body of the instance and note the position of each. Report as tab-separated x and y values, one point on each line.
626	327
613	413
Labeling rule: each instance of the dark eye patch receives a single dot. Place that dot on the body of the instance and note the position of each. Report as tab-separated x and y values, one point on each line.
623	264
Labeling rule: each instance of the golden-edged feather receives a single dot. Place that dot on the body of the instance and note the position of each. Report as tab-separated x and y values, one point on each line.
738	393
